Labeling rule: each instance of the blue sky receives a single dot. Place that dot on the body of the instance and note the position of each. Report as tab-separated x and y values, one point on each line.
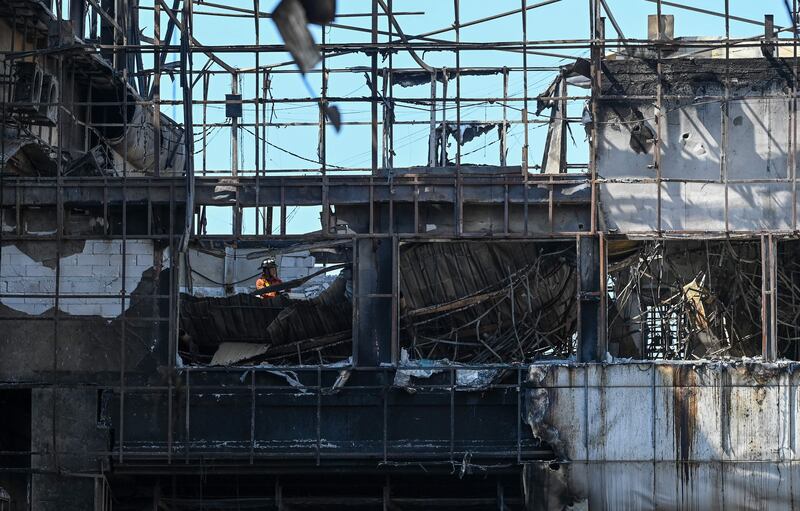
566	19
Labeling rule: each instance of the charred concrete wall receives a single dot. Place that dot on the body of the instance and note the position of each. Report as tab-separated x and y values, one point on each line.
723	160
694	435
69	439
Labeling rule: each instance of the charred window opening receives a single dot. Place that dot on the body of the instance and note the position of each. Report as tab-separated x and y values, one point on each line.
488	302
301	313
685	299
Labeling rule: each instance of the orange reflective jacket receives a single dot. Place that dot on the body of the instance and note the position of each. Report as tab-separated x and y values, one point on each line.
263	282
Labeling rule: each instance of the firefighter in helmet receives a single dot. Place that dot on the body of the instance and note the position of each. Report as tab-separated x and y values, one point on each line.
269	277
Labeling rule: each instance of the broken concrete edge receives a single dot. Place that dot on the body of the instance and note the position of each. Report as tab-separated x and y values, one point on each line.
86	267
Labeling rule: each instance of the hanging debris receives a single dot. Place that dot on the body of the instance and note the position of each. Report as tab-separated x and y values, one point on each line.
686	300
292	18
555	150
414	77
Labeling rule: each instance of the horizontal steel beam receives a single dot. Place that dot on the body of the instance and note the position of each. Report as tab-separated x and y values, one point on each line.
302	190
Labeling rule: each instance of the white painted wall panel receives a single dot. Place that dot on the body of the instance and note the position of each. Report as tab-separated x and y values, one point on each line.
96	270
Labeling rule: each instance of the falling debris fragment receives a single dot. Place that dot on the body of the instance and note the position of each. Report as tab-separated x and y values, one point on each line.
292	18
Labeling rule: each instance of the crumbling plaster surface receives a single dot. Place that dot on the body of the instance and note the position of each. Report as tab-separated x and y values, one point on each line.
96	270
666	435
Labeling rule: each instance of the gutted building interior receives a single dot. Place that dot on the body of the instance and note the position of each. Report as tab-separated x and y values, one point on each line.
398	254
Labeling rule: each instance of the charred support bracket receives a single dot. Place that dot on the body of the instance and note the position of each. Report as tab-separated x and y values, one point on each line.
372	328
588	256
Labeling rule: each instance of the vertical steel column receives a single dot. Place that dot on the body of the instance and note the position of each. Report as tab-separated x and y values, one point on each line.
432	137
282	220
793	121
356	304
443	154
253	394
524	163
768	47
385	413
452	373
5	99
373	287
658	117
725	114
319	414
374	79
322	144
564	124
205	80
187	415
59	250
769	298
108	32
588	292
602	327
459	206
395	334
519	415
268	229
596	92
77	14
386	78
387	495
237	209
602	302
524	14
155	92
504	127
124	252
390	96
256	146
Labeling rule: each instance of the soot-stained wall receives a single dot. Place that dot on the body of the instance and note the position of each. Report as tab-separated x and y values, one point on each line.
710	148
701	435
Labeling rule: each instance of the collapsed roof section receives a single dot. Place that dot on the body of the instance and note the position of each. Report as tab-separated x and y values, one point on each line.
484	302
278	329
469	302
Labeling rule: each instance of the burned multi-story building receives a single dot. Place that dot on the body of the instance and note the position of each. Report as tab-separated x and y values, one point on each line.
469	311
